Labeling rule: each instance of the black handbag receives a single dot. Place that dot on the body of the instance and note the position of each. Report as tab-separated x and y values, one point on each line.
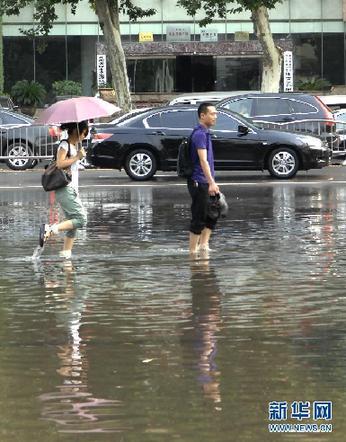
54	178
217	206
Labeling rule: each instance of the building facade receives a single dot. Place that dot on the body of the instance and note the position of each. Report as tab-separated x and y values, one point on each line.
170	53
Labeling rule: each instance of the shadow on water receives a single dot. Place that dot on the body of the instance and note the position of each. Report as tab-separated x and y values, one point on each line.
136	339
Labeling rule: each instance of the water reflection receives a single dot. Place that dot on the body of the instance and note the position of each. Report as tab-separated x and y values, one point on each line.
204	322
136	339
73	406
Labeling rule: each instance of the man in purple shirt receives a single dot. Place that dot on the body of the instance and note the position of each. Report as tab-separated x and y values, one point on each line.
202	183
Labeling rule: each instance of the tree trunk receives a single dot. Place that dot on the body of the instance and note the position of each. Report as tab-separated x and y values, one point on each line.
108	14
272	55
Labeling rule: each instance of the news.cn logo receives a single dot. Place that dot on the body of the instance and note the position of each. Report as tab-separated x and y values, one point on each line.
300	412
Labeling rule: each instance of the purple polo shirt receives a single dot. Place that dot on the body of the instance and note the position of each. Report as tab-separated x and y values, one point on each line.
201	139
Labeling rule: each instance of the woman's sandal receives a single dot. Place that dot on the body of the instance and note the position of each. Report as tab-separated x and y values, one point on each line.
45	233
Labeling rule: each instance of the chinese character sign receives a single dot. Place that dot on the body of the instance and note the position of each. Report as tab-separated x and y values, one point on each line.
101	70
209	35
178	33
145	36
288	71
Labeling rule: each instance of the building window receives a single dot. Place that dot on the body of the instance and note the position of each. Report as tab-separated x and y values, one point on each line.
151	74
237	74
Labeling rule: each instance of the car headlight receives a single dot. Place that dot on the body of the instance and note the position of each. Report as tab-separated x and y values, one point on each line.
312	142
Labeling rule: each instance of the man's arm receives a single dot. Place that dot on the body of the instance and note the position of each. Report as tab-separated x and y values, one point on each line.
213	187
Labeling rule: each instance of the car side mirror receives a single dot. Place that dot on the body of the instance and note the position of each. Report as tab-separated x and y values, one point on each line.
243	129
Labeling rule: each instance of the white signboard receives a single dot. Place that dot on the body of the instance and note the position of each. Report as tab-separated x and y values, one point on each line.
101	70
209	35
178	33
288	71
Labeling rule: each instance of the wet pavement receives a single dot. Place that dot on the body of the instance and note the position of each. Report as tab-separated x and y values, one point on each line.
135	341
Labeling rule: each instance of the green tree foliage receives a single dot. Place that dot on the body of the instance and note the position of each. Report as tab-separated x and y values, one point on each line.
108	13
272	55
45	13
219	8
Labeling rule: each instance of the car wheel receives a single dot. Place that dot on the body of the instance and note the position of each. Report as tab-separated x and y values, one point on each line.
283	163
19	149
140	164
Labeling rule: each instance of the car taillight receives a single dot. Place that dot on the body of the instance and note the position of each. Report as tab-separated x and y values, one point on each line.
328	114
100	136
54	131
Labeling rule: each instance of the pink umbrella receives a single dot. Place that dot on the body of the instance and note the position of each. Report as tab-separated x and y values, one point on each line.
75	110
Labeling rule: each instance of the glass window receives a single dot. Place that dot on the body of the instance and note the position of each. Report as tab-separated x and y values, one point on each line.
155	120
242	107
271	106
333	58
225	122
179	119
151	74
173	119
319	56
237	74
43	59
302	108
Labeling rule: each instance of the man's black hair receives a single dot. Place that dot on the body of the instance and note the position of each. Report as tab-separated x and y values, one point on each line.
203	108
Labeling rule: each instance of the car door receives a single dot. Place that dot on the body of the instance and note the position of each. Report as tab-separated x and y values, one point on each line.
169	127
232	149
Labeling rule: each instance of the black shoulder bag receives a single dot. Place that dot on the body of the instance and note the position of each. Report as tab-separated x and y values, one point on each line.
54	178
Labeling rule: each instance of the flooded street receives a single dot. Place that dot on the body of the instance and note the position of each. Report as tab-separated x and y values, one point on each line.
135	340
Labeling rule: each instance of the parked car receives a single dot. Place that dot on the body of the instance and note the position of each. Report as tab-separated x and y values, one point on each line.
200	97
278	108
20	138
149	142
296	112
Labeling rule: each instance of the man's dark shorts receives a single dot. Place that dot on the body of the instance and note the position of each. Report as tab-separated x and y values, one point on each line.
199	207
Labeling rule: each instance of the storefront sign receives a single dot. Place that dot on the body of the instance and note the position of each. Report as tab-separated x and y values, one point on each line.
178	33
288	71
101	70
241	36
209	35
145	36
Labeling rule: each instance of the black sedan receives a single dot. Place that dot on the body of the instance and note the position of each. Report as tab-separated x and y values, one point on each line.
21	140
149	142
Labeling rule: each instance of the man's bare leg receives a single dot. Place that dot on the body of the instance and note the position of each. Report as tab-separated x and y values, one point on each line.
194	239
204	239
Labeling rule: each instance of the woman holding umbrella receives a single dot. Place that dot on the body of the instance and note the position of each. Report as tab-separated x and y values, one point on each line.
67	157
67	113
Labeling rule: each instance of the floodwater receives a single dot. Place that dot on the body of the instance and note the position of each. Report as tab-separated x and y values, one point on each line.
134	341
